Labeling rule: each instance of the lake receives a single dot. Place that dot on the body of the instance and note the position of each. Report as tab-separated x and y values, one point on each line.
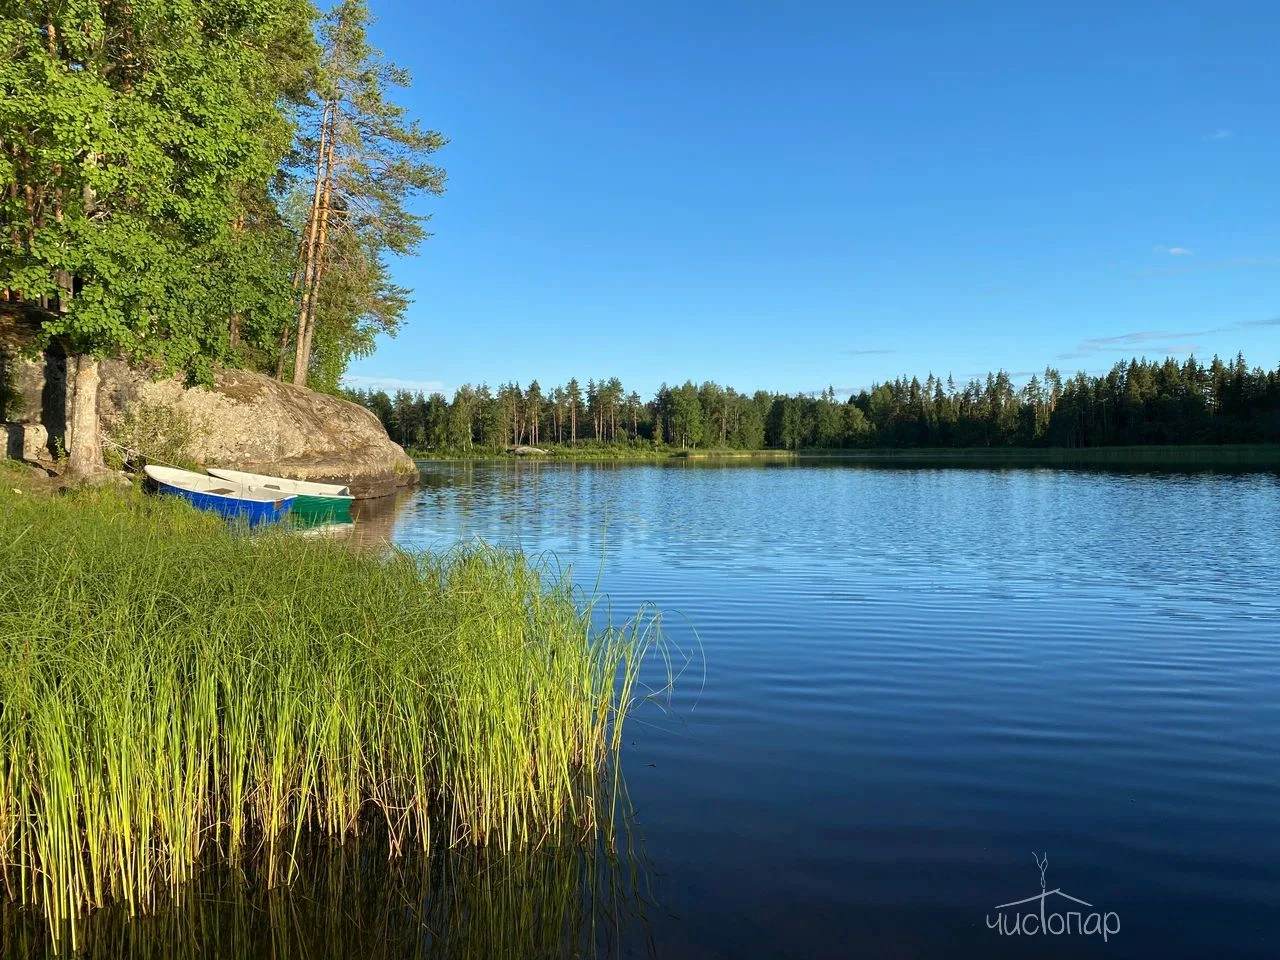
902	682
896	691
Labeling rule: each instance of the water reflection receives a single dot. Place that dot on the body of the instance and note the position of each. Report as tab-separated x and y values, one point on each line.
374	521
571	899
915	677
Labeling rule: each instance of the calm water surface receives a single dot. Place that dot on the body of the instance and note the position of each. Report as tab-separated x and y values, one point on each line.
901	683
894	686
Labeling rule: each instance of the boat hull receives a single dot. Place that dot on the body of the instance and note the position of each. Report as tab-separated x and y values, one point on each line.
313	509
255	512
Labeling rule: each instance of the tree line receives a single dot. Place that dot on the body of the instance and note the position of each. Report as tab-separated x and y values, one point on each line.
191	183
1138	401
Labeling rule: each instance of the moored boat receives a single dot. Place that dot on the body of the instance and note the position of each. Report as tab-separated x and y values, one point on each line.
222	496
318	502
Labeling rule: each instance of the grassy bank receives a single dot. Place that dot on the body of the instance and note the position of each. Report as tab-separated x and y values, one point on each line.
1162	455
172	692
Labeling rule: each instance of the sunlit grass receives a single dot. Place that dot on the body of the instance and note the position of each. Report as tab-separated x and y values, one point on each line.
171	691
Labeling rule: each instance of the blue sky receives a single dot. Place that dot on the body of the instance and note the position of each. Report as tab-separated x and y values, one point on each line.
786	195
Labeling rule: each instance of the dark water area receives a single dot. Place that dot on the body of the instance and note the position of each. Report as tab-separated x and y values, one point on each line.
894	686
904	682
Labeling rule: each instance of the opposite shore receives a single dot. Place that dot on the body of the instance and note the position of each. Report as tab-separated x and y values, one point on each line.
1252	455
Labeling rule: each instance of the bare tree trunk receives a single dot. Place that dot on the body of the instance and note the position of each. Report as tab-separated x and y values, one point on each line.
84	446
310	256
322	244
284	346
65	286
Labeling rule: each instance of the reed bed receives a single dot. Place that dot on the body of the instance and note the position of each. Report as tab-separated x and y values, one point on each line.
174	693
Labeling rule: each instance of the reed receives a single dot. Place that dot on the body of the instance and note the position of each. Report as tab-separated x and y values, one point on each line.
174	693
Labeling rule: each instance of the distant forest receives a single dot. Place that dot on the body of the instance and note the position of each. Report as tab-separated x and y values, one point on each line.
1138	402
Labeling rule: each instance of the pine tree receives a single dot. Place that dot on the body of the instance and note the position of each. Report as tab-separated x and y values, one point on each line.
366	160
574	394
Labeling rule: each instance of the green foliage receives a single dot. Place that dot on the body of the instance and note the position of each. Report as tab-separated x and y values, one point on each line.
132	134
174	692
358	302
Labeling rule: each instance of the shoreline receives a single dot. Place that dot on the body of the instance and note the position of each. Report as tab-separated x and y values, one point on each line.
1252	455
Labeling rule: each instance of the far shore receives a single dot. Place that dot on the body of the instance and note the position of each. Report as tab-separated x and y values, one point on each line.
1256	455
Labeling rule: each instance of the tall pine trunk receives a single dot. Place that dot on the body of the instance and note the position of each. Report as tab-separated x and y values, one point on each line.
322	246
311	247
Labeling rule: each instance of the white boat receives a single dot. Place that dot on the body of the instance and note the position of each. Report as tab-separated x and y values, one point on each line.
304	488
219	495
312	502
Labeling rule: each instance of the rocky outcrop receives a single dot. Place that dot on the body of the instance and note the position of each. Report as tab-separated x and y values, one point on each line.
245	421
248	421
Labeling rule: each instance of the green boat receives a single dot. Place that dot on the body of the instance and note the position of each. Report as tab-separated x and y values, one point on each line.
313	502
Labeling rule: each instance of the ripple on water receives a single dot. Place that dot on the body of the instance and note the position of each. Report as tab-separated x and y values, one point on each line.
913	678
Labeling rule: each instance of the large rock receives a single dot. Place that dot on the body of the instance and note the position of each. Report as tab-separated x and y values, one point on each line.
26	441
248	421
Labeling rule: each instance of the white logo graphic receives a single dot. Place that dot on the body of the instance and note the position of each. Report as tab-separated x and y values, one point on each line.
1032	921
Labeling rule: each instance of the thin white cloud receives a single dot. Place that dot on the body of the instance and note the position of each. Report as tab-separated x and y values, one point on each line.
1220	134
1157	342
392	384
1172	251
1159	349
1208	265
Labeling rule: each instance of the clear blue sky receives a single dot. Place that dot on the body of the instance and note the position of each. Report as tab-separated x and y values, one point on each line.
786	195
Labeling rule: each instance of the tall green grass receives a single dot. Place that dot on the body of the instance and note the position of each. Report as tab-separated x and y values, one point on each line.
172	692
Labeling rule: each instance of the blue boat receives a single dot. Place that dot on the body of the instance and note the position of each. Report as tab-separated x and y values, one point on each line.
225	497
